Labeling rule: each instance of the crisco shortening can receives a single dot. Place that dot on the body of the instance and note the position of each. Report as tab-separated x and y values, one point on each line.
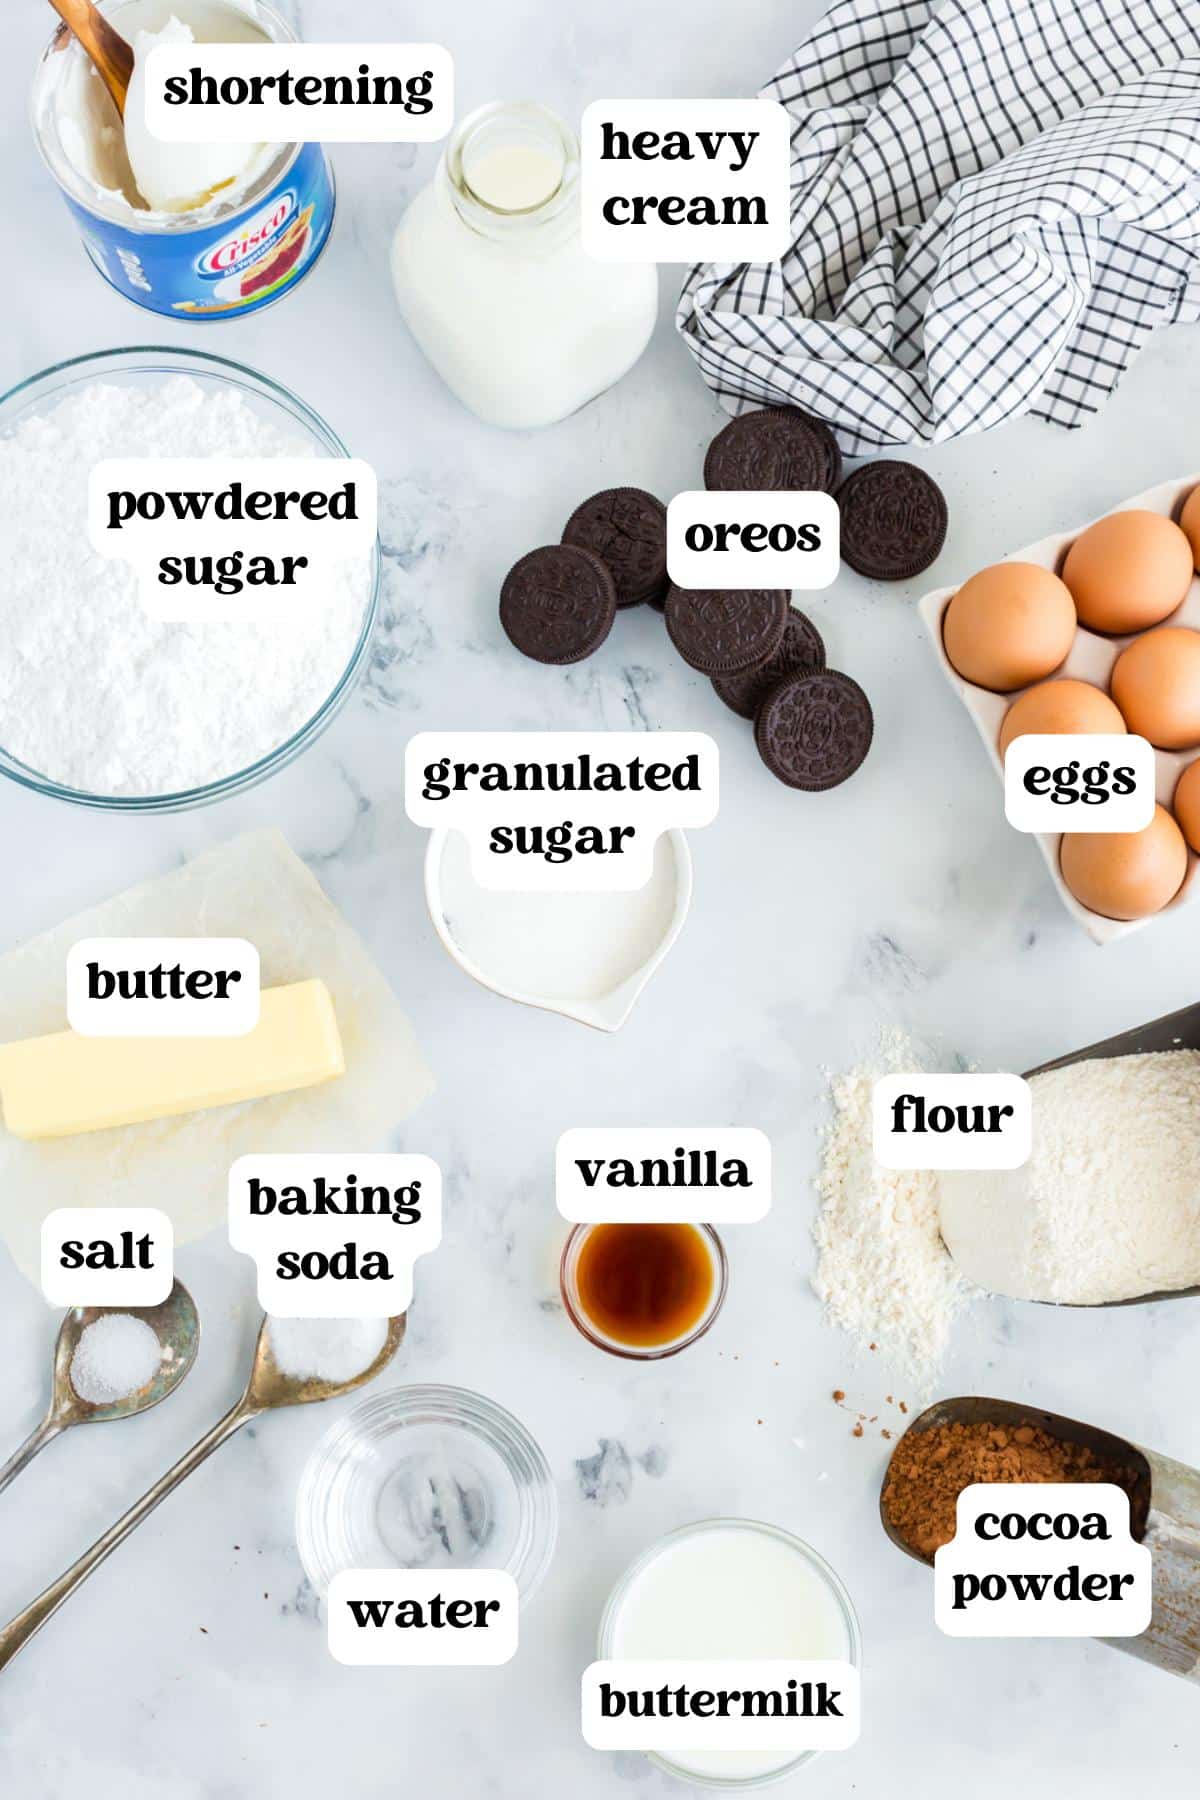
228	258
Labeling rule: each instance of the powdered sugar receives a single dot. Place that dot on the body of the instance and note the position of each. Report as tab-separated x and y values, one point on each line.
882	1271
96	695
1108	1205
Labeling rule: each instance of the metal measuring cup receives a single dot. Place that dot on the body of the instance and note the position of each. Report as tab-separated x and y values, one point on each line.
1164	1514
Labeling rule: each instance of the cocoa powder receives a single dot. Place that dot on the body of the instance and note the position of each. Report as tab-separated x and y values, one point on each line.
929	1469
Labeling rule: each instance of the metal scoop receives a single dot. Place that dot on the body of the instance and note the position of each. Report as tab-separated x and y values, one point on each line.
1176	1031
1164	1513
267	1388
176	1325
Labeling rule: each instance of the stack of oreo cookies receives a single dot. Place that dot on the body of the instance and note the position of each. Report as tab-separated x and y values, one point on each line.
812	725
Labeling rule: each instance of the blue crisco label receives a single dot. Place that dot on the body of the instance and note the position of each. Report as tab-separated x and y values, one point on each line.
226	267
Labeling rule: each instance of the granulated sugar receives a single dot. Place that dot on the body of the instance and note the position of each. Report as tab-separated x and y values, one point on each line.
94	693
326	1349
116	1355
882	1270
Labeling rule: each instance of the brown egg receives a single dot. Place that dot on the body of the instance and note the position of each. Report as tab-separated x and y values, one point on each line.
1008	626
1189	522
1058	706
1186	805
1126	874
1156	684
1128	571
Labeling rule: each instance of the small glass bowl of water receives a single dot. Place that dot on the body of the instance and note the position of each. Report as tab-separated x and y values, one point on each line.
427	1478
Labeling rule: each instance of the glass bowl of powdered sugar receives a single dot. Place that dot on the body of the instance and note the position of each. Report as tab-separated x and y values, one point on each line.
100	703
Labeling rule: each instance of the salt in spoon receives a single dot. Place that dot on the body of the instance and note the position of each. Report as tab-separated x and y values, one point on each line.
267	1388
109	51
176	1325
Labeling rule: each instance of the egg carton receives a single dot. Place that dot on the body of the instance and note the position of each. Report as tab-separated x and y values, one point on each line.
1091	659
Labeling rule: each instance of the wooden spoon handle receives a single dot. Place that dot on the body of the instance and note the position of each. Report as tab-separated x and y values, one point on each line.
109	51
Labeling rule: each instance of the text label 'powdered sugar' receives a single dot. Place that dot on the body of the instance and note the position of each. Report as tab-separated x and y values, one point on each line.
403	1617
686	180
561	811
335	1237
162	987
1046	1559
741	539
663	1175
238	538
923	1121
1073	782
289	93
107	1256
670	1705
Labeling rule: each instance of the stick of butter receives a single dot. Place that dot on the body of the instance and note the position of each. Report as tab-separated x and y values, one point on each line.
60	1085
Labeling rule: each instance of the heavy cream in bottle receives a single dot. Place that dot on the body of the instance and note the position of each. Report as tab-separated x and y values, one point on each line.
493	282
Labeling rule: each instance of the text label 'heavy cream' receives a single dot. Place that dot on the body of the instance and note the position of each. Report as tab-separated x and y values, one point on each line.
219	538
686	180
162	987
402	1617
107	1256
561	811
663	1175
923	1121
335	1237
307	93
676	1705
1052	1559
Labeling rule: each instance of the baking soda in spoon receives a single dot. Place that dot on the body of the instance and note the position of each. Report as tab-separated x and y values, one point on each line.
174	177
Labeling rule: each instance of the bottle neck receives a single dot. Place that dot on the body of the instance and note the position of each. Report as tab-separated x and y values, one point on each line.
512	173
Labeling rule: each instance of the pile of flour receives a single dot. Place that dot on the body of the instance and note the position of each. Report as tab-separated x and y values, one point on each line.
883	1272
1108	1205
95	694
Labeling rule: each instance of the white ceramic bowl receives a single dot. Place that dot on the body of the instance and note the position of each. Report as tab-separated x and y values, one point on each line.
607	1012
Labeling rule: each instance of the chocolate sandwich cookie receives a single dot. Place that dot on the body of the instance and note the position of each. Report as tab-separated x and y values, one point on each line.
813	731
800	652
558	603
627	529
894	519
781	447
723	633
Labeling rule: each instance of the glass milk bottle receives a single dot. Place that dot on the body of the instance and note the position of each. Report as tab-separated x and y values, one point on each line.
493	281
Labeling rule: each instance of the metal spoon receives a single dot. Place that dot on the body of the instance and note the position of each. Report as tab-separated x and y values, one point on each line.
267	1388
108	50
1164	1513
176	1325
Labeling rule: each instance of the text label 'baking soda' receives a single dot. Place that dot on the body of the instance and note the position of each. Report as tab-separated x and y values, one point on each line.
752	540
308	93
216	538
675	1705
162	987
1053	1559
335	1237
107	1256
402	1617
922	1121
686	180
561	811
1072	782
663	1175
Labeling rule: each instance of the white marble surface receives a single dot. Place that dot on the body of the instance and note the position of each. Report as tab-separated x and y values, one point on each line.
194	1662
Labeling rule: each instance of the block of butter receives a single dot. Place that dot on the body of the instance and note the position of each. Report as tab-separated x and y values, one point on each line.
62	1084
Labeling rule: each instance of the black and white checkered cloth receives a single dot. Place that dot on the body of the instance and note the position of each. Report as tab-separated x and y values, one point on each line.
994	203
